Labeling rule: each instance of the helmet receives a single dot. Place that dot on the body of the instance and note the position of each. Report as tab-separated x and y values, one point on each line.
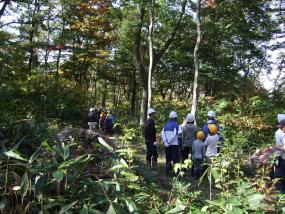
280	117
213	128
211	114
150	111
200	135
190	117
173	114
91	109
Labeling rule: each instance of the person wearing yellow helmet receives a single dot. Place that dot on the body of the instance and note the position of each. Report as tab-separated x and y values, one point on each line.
198	154
212	141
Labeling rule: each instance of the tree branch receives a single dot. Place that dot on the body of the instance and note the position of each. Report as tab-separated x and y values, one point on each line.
6	2
166	45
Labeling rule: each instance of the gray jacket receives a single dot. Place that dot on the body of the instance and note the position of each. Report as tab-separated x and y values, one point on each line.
188	134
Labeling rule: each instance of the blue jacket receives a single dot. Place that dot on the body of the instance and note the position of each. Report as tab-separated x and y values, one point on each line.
170	133
206	129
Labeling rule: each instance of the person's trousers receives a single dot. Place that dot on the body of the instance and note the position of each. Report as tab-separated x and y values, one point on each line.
171	156
280	173
151	153
185	153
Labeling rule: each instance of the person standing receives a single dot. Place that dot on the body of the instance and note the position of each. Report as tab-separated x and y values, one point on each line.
211	120
198	154
150	139
169	136
279	171
211	142
189	131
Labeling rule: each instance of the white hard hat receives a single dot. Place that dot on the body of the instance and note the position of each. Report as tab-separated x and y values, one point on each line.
173	114
280	117
211	114
190	117
91	109
150	111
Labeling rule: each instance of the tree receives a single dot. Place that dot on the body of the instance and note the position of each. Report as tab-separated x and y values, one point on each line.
196	58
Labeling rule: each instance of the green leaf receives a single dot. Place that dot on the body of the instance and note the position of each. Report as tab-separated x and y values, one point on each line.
255	201
83	211
65	152
2	203
18	144
177	209
25	184
14	155
65	208
57	175
130	176
78	160
131	205
35	155
103	142
116	208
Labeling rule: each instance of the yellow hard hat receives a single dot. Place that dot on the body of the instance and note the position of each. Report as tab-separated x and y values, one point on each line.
213	128
200	135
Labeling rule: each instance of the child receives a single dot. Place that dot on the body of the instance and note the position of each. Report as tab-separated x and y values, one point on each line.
198	154
211	142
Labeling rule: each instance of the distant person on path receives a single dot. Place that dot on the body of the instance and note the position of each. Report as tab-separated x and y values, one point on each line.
280	147
198	154
150	139
211	142
169	136
92	118
189	131
109	123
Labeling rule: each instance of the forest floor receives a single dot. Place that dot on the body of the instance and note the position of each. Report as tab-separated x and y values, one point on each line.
156	176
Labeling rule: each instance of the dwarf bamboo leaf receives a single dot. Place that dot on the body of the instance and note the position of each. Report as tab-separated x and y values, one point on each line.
57	175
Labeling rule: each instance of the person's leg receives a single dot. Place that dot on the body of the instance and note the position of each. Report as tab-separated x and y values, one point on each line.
168	165
185	153
149	149
154	156
175	154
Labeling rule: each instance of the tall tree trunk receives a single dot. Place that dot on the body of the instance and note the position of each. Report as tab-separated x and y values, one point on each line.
46	66
31	35
196	59
4	7
142	71
61	40
150	42
133	92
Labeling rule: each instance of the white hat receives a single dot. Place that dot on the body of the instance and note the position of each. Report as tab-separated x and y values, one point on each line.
91	109
211	114
280	117
173	114
190	117
150	111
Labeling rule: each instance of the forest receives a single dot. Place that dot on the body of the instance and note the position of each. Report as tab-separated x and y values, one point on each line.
61	58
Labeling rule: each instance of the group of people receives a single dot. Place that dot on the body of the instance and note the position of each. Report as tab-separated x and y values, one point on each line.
103	118
181	140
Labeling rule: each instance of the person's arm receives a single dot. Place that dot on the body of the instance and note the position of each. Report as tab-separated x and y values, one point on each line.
207	142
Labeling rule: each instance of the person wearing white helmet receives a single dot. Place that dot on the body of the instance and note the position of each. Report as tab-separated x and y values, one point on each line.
211	120
189	131
279	133
150	138
169	136
92	118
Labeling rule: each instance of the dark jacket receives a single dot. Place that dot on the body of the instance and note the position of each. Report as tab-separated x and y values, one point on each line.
150	131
